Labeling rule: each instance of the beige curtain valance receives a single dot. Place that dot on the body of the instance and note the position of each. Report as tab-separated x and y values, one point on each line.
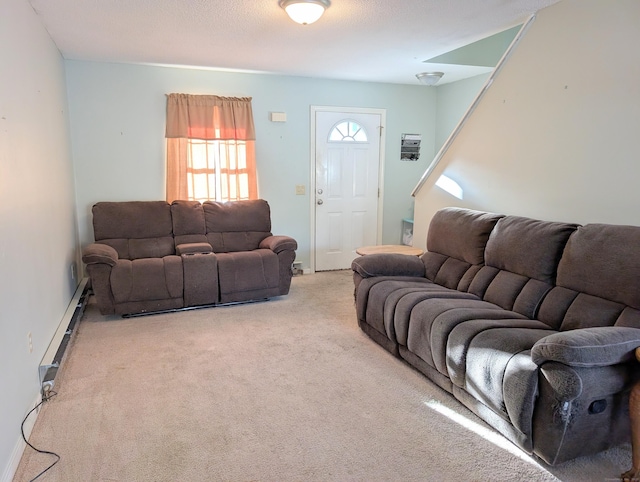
209	117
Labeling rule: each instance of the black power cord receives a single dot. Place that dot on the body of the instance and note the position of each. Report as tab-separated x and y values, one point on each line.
46	397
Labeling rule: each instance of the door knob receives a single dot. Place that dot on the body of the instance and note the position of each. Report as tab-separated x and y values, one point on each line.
320	201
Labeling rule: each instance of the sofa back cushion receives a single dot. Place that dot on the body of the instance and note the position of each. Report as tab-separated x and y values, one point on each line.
598	280
455	246
188	222
521	261
528	247
135	229
236	226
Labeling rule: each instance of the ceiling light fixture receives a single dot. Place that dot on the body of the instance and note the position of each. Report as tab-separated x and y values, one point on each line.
304	11
429	78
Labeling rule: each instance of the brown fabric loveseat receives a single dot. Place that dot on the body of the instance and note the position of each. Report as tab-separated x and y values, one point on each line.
153	256
530	324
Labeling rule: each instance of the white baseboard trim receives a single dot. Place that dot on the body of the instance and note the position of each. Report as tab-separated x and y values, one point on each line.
18	449
49	355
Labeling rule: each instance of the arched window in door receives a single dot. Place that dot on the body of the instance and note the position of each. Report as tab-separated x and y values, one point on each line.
348	131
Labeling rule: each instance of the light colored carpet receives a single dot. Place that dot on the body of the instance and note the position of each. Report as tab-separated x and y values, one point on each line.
284	390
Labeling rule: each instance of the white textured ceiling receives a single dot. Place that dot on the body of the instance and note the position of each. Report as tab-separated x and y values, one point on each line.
369	40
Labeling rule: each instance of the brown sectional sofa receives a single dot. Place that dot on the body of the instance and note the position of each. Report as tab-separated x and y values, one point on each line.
530	324
153	256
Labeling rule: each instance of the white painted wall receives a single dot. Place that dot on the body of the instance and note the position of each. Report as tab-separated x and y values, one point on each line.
37	213
556	136
117	116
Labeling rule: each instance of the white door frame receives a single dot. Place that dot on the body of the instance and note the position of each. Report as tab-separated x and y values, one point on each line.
312	169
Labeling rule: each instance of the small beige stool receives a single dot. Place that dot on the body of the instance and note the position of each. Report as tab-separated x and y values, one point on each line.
389	248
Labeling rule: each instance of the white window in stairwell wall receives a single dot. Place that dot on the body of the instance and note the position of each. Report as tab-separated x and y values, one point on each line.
449	185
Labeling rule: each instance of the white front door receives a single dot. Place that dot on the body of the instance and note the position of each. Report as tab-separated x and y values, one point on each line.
347	165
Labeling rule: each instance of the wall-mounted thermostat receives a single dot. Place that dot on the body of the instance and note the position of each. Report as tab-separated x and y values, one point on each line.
410	147
278	117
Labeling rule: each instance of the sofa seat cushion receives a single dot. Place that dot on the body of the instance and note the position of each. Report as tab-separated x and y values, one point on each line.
147	279
463	337
431	321
249	272
491	360
364	286
401	303
384	296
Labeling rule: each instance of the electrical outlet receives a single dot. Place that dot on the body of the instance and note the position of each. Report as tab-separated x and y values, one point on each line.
30	342
299	189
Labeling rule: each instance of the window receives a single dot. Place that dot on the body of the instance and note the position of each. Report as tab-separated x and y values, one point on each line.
348	131
217	170
210	148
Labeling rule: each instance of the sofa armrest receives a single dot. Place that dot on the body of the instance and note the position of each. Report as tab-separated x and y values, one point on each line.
388	264
566	382
279	243
588	347
97	253
193	248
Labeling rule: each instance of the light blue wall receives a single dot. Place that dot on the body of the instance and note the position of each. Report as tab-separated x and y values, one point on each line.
453	100
37	214
118	116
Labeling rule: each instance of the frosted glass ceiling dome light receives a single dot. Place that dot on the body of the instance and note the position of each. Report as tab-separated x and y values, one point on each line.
304	12
429	78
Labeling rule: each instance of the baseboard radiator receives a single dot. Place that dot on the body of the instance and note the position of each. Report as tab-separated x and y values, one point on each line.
54	355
